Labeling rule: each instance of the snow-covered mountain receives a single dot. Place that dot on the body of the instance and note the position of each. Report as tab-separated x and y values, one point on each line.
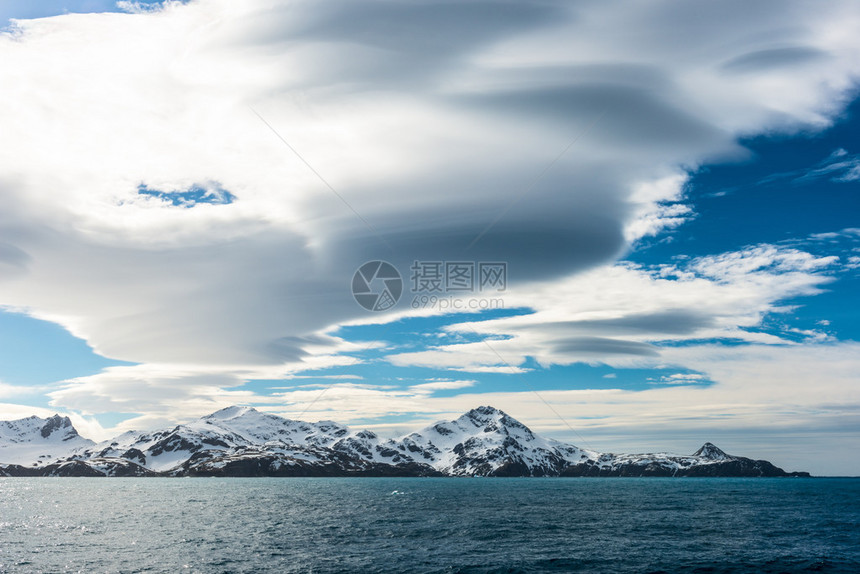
241	441
487	442
36	441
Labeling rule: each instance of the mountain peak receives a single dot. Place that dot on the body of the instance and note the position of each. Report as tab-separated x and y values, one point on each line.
56	423
484	413
241	441
34	440
231	412
493	419
711	452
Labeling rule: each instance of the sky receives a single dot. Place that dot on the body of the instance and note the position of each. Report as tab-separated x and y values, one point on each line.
633	226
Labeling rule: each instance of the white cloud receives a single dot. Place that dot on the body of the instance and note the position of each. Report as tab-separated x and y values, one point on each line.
11	411
620	315
8	391
428	133
658	207
679	379
798	397
336	377
442	385
158	394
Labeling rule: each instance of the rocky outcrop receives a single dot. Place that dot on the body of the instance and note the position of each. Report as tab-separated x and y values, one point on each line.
241	441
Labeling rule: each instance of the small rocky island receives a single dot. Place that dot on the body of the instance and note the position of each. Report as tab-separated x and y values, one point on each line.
243	442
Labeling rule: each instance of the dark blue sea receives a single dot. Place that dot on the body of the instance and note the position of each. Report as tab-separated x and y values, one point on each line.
418	525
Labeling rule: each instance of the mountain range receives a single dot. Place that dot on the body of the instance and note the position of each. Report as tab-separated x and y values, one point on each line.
241	441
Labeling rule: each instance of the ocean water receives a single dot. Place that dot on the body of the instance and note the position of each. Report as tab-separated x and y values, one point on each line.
429	525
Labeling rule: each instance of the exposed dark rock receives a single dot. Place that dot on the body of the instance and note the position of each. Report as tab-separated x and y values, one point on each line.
239	441
56	423
18	470
711	452
71	468
136	455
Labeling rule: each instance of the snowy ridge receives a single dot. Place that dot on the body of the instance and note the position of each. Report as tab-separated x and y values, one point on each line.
35	441
230	431
241	441
486	441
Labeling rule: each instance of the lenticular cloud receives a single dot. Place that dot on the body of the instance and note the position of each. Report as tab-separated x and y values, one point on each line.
554	134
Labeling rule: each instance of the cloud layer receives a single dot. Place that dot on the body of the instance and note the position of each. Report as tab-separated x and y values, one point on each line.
558	133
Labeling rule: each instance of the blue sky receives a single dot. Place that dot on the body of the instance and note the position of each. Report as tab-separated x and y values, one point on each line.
27	9
189	199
